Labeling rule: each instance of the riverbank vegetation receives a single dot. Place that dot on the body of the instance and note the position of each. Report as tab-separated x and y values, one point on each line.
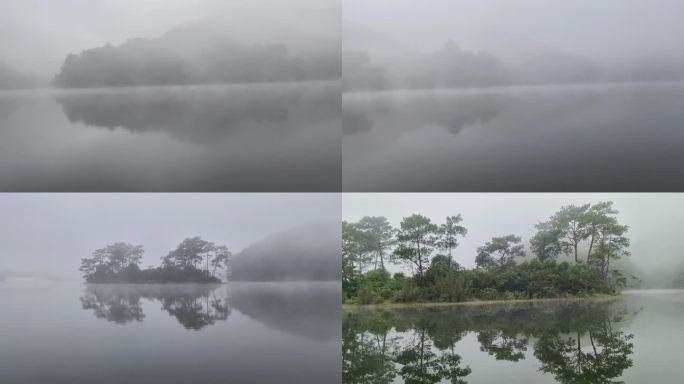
571	254
193	261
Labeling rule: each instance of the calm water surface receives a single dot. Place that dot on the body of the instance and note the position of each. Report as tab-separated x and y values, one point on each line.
214	138
634	339
239	333
559	138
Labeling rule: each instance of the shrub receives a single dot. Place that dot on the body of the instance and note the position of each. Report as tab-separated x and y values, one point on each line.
489	294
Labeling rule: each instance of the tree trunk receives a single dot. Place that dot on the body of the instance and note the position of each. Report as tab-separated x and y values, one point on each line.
420	259
450	258
579	354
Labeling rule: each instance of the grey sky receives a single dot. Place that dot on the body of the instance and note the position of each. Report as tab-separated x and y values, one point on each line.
605	31
50	233
36	35
655	220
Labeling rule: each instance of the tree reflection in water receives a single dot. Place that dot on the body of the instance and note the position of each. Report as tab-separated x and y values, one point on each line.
576	342
194	306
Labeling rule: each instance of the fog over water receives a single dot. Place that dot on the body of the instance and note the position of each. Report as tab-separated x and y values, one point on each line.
607	31
36	35
400	44
48	234
654	220
268	331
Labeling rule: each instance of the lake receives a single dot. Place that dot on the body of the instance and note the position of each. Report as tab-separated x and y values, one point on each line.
633	339
236	333
277	137
624	138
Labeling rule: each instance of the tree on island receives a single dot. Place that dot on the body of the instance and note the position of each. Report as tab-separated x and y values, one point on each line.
378	236
353	256
417	237
499	251
503	271
193	260
546	244
449	232
573	225
194	251
112	259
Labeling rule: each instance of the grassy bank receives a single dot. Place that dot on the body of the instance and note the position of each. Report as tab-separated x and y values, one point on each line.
476	302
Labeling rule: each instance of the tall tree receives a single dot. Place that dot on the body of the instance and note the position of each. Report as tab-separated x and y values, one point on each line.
189	253
571	222
612	245
598	216
499	251
220	259
353	245
449	233
379	237
417	237
546	243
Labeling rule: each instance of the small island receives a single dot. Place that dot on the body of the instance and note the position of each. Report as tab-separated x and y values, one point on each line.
573	254
193	261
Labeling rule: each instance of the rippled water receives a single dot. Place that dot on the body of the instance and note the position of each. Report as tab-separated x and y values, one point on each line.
237	333
633	339
560	139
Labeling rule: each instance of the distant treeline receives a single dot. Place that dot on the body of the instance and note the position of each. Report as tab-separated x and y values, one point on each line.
450	66
454	67
503	268
194	56
308	252
193	261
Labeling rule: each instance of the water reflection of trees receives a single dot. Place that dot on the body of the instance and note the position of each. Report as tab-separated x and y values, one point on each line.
451	112
119	307
574	342
203	115
194	307
303	309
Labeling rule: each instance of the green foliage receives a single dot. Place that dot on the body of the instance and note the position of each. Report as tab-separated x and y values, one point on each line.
449	232
489	293
417	238
499	276
535	279
374	287
573	342
376	236
409	292
499	251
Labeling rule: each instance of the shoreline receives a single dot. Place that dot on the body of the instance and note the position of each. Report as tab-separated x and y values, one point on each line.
51	90
600	297
356	94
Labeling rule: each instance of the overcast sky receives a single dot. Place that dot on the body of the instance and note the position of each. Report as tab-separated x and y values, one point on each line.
605	31
36	35
50	233
655	220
